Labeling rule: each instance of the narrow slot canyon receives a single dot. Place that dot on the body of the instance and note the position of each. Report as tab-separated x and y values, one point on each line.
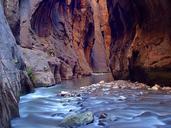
85	63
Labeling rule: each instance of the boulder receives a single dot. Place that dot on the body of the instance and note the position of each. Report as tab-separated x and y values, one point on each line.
37	67
156	87
78	119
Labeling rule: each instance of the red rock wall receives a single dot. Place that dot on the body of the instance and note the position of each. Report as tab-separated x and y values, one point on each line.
76	32
141	40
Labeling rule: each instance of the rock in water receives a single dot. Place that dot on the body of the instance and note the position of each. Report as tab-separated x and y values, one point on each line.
64	93
78	119
156	87
102	82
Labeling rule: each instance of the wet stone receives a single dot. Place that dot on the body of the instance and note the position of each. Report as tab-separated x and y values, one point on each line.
121	98
103	115
65	94
102	82
156	87
78	119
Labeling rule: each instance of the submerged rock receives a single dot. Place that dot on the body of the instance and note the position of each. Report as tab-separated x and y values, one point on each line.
78	119
122	98
65	94
103	116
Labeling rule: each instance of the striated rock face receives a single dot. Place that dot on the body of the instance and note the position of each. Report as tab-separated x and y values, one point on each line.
11	10
62	39
141	40
37	67
11	73
76	32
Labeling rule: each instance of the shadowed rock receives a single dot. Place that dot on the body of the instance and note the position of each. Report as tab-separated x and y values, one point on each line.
140	48
11	69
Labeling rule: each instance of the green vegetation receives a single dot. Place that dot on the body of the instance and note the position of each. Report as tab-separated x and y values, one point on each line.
29	71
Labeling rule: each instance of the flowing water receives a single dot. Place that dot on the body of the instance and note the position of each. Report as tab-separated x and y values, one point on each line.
124	108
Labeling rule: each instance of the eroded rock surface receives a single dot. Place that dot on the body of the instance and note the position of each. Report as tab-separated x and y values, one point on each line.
76	32
37	67
141	46
12	13
71	38
79	34
11	69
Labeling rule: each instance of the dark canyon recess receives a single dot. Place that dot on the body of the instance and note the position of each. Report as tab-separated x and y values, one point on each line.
141	40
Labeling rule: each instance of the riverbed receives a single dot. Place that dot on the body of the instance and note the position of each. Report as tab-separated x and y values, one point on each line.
123	108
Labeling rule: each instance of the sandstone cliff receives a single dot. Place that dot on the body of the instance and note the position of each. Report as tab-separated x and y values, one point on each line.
63	39
73	32
141	40
76	36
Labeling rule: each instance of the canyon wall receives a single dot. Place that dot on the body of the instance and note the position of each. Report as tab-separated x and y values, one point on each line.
74	34
141	40
77	37
13	78
46	41
54	40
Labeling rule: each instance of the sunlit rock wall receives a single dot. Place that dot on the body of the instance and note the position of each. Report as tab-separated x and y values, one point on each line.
76	32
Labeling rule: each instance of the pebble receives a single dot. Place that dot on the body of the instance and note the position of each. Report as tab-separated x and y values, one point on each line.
82	88
122	98
141	93
102	116
120	84
108	85
102	82
166	88
115	87
106	89
64	93
93	89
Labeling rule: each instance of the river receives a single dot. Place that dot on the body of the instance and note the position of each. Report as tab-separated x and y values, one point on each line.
124	108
